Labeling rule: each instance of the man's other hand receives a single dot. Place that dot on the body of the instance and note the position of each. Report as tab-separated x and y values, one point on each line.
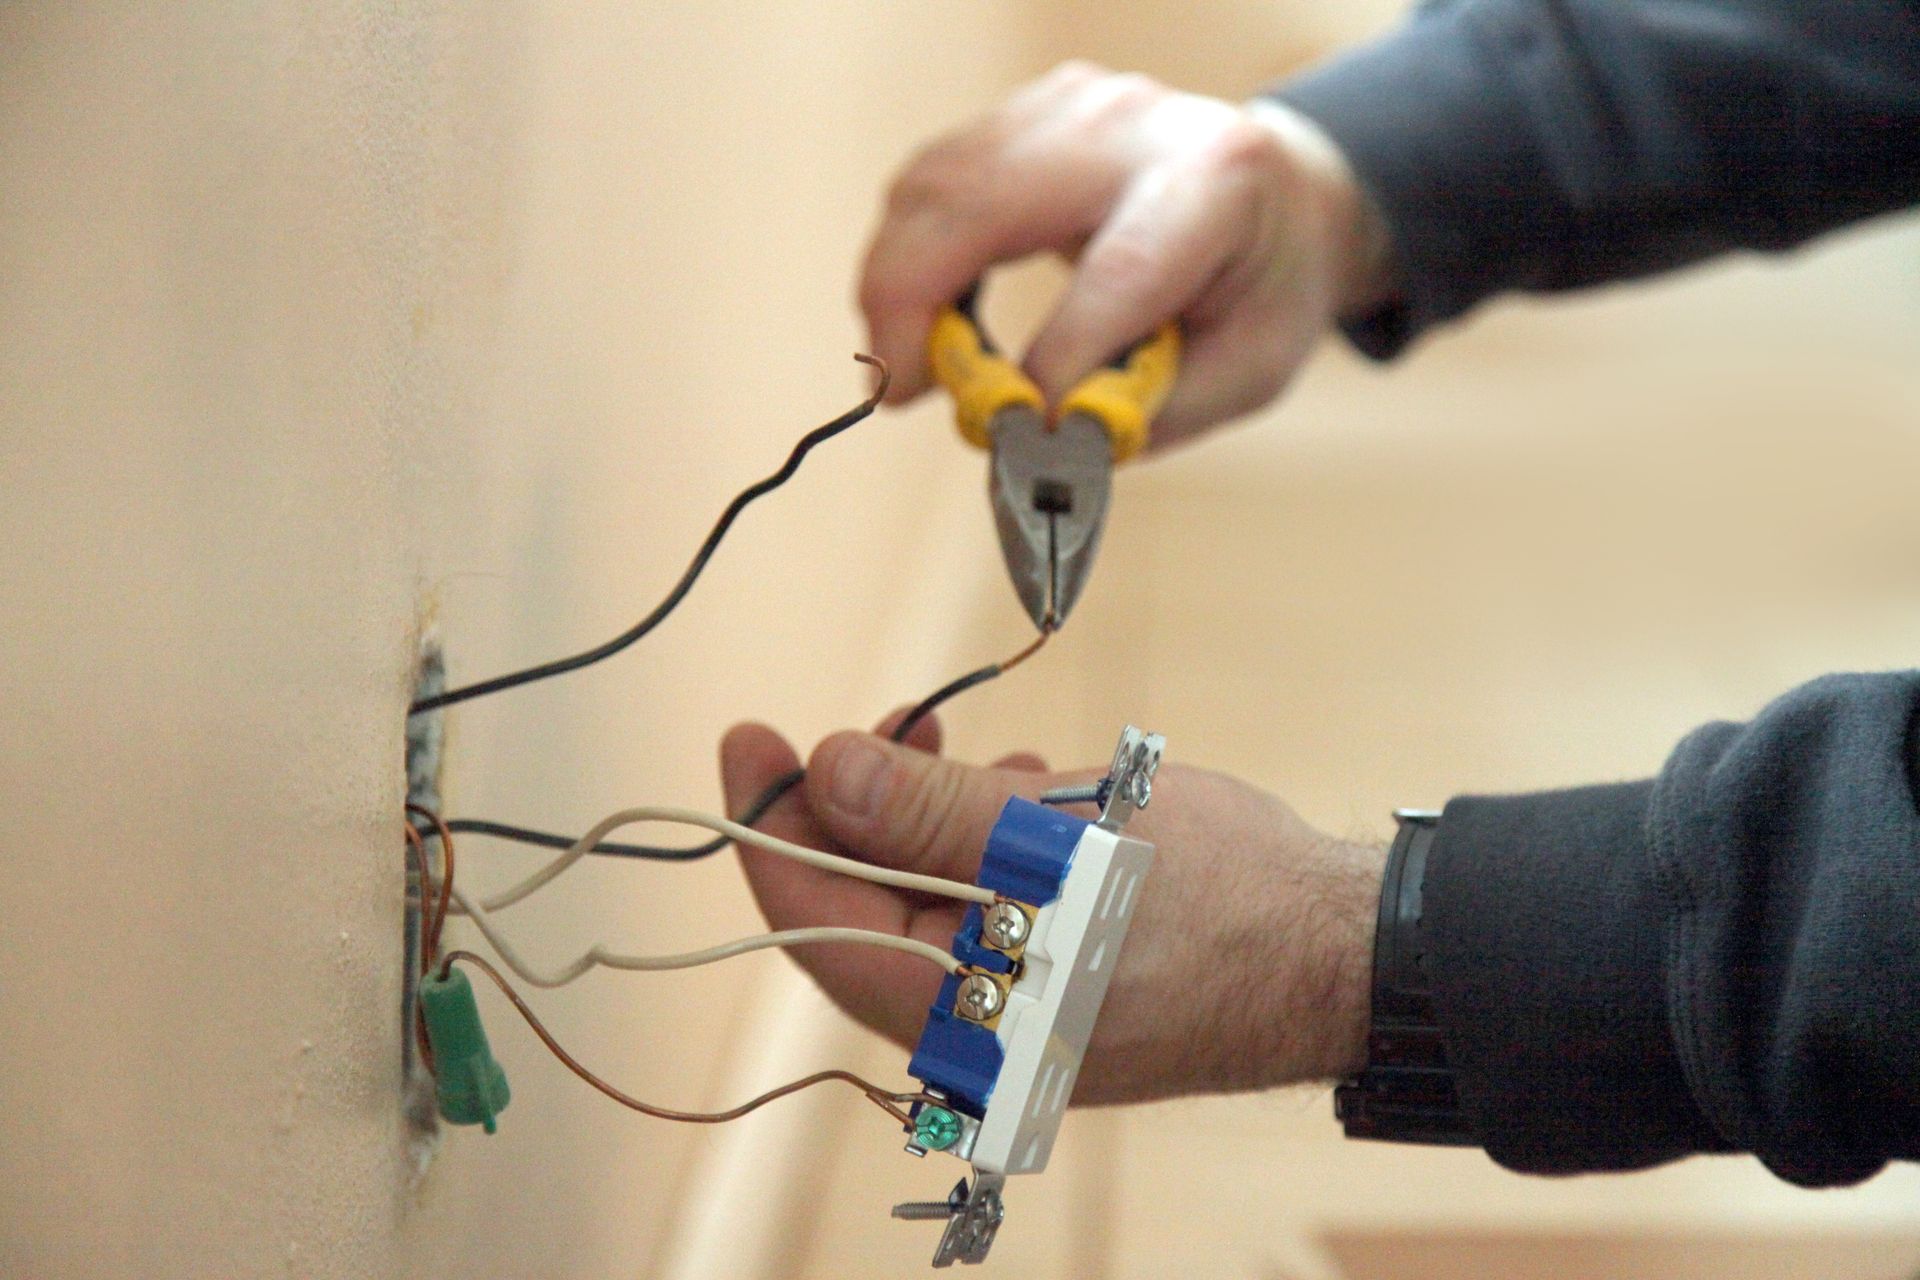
1244	223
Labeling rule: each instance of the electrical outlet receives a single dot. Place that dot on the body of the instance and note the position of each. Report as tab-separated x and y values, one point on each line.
1005	1037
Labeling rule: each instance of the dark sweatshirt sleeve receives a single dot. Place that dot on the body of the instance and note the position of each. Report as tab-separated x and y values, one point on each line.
1550	144
1724	959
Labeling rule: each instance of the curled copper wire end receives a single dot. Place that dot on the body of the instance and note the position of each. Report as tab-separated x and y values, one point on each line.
886	378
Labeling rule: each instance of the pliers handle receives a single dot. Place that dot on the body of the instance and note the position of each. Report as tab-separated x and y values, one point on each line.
1123	397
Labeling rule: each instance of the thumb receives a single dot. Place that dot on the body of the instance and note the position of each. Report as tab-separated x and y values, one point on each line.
902	808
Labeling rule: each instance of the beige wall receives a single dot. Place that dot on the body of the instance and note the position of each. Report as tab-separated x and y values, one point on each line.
323	323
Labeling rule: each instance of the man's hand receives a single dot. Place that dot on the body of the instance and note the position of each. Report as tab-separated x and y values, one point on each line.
1243	222
1247	964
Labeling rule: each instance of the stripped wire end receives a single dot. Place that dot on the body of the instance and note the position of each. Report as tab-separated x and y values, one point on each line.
886	379
1040	642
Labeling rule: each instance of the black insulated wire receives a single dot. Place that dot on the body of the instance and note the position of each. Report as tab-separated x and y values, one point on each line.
560	666
944	693
774	793
657	853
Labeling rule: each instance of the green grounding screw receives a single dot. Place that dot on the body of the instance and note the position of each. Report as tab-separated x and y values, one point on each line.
470	1084
936	1128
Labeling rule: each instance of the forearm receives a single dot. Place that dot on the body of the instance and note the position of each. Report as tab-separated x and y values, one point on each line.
1265	980
1310	961
1725	959
1526	145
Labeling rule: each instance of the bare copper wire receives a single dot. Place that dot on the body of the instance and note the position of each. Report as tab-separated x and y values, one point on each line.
418	847
891	1103
880	388
1039	643
430	947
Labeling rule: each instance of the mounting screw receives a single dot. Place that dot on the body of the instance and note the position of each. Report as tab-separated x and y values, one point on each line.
1004	926
979	998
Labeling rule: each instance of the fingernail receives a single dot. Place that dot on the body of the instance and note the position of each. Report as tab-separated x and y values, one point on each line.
859	782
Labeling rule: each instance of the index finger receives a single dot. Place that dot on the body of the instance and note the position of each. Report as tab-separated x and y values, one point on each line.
958	209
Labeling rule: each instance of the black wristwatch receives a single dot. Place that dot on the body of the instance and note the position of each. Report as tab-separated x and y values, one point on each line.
1406	1093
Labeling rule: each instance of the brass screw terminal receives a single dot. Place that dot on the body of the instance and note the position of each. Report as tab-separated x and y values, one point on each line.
981	997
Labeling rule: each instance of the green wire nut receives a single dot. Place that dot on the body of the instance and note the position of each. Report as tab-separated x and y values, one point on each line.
470	1084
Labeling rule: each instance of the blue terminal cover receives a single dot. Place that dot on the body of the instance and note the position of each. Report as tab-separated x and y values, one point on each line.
1029	850
1028	854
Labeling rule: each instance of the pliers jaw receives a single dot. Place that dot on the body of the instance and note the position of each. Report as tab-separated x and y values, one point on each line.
1049	485
1049	488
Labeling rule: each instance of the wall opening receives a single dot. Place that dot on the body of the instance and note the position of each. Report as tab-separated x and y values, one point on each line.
424	735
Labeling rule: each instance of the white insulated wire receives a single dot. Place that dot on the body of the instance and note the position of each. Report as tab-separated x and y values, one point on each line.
598	956
745	835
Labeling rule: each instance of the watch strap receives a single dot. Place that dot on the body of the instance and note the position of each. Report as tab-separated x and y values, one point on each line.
1407	1092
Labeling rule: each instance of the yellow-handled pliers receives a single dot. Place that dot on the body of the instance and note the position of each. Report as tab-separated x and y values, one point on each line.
1049	481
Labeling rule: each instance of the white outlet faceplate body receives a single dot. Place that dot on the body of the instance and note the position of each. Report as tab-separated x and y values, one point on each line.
1051	1009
